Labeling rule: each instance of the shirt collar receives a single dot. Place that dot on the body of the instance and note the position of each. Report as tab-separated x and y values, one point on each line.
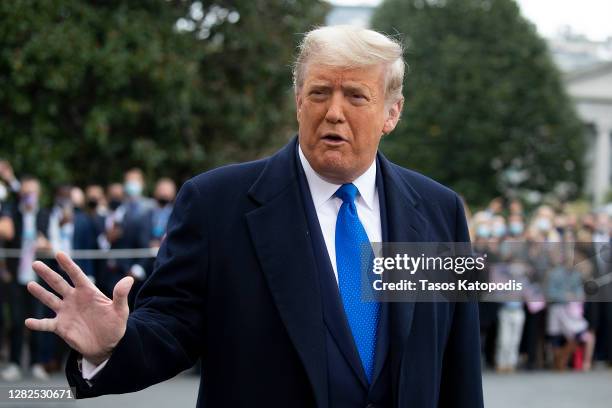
322	190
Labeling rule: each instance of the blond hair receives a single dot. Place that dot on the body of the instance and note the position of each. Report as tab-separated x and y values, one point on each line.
352	47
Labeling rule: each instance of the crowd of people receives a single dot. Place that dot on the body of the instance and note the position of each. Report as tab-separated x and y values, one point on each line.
554	323
95	221
105	229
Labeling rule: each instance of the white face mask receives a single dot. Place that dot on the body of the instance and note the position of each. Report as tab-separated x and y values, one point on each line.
133	188
543	224
3	192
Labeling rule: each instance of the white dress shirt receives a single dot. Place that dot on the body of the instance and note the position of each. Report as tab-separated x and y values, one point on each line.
327	207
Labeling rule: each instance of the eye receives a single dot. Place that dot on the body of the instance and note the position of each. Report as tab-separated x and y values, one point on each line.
358	98
317	94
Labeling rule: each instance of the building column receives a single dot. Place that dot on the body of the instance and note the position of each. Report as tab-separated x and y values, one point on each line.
601	180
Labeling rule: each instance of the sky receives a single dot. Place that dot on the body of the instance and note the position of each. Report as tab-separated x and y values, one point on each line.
592	18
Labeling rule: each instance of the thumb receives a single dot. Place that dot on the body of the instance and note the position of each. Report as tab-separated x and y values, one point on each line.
121	291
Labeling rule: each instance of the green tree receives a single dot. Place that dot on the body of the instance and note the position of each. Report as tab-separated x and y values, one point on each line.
90	88
485	108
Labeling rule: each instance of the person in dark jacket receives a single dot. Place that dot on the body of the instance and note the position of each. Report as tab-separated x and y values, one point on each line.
31	226
259	273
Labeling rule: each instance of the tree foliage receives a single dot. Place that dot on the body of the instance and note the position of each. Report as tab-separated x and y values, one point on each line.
90	88
485	109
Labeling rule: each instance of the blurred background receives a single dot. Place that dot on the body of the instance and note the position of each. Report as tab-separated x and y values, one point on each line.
107	107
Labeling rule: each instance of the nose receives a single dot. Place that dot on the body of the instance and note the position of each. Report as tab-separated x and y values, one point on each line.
335	111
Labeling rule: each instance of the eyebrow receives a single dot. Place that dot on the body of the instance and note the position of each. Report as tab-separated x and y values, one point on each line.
319	84
357	88
350	87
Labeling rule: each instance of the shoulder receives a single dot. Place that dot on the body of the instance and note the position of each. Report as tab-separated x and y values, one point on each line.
223	184
438	204
233	177
425	188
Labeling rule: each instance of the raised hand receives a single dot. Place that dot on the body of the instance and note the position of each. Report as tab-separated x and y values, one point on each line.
91	323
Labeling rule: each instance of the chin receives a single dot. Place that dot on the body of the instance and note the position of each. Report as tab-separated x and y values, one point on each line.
335	170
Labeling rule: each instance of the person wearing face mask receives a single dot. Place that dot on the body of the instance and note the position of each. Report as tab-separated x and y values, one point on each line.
85	234
112	231
542	228
164	195
61	221
30	236
165	192
516	226
70	227
115	196
498	229
515	247
131	229
61	234
510	315
95	201
481	225
95	211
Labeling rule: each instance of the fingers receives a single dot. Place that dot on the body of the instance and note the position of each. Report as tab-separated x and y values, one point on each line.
44	296
52	278
46	325
77	276
121	291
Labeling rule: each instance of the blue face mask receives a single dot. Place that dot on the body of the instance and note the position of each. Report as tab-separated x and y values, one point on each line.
29	200
483	231
516	228
133	188
543	224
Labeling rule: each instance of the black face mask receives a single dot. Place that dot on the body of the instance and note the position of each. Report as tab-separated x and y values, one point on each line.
92	204
114	204
163	202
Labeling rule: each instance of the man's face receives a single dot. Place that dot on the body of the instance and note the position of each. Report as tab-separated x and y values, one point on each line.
134	183
165	191
342	116
115	192
94	193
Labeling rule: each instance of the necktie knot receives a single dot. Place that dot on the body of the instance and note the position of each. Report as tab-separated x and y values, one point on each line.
347	193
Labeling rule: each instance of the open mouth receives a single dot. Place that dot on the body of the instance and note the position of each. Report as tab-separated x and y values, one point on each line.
333	138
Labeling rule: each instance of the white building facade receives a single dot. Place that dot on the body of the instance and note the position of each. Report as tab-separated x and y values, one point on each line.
591	90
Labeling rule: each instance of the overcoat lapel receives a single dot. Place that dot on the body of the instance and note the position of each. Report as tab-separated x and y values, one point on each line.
279	231
405	224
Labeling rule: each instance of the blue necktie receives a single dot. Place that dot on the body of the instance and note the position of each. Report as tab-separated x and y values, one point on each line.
353	253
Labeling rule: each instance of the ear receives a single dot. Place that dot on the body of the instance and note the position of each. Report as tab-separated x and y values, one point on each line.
393	116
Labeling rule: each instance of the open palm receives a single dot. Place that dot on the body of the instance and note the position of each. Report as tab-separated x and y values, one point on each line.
91	323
